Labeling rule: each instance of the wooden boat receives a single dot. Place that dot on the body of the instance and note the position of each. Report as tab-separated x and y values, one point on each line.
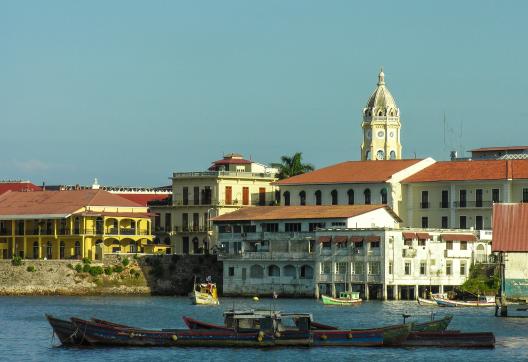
431	302
204	294
344	338
432	325
66	331
345	298
458	303
271	332
450	339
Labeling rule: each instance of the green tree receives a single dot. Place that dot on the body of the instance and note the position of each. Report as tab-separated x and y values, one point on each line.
292	166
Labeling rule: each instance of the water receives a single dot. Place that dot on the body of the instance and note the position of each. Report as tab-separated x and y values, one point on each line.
26	336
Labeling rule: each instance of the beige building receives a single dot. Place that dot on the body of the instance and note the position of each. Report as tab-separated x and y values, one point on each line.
230	184
381	125
460	194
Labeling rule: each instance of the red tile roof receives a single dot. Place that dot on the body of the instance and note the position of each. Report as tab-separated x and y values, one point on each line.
471	170
351	172
18	186
300	212
57	202
510	227
143	199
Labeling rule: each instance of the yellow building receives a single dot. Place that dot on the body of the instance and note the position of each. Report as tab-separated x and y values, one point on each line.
72	225
230	184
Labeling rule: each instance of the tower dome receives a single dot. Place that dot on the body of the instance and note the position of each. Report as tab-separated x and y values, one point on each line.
381	99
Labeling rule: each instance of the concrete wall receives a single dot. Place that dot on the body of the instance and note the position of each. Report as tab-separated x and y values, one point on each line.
516	275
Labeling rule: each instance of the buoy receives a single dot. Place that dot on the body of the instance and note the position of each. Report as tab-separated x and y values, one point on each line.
174	337
323	337
255	299
349	336
260	336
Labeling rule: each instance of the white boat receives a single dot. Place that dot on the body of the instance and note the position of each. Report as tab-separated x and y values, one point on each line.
431	302
480	302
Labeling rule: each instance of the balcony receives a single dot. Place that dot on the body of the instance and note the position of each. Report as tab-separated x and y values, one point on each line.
269	255
425	205
325	278
444	204
209	174
472	204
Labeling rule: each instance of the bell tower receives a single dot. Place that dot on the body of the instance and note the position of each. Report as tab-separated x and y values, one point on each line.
381	125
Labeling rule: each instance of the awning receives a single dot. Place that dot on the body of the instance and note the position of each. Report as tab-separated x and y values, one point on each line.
409	236
341	239
356	239
372	238
325	239
423	236
459	237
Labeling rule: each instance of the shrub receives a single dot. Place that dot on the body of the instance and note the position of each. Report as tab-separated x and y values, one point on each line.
136	257
118	269
78	268
31	269
108	270
16	261
86	261
96	270
86	268
125	262
70	266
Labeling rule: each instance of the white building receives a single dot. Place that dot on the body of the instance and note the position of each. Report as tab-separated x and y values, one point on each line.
271	248
388	263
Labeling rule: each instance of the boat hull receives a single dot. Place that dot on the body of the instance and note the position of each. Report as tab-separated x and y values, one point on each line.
427	302
341	338
450	339
66	331
433	326
339	301
199	298
453	303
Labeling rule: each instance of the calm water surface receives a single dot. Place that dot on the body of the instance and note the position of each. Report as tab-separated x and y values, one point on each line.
25	334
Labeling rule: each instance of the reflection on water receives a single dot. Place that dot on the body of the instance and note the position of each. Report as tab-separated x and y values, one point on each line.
25	334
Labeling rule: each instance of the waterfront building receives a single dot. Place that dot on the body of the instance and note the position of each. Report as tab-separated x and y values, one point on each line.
460	194
272	248
392	263
228	185
500	153
72	224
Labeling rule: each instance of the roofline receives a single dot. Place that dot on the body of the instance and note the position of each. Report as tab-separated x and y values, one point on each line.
34	216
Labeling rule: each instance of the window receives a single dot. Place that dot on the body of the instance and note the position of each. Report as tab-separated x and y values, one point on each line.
358	245
421	242
231	271
168	222
390	267
318	198
270	227
525	195
350	194
334	197
444	222
77	250
286	196
249	228
374	267
479	223
445	199
196	221
315	225
366	193
495	195
478	197
273	271
302	198
341	268
185	196
359	267
256	272
326	267
407	242
423	268
462	267
463	223
392	154
463	245
383	194
463	195
306	272
49	250
425	222
374	244
185	221
292	227
196	195
425	200
206	195
262	196
449	245
61	250
228	195
407	268
449	266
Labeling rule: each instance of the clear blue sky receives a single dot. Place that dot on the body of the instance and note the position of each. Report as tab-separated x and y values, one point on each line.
129	91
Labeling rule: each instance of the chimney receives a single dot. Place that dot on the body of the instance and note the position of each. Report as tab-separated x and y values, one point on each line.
453	155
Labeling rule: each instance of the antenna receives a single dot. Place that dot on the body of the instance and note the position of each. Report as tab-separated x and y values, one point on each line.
444	130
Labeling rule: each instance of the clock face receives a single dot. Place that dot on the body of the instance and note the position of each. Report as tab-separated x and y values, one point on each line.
381	134
380	155
392	134
369	134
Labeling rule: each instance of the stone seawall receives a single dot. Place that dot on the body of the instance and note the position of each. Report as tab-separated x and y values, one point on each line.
116	275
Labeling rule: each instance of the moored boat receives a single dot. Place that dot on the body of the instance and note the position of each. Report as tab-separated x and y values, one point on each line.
345	298
204	294
486	302
427	302
433	325
66	331
344	338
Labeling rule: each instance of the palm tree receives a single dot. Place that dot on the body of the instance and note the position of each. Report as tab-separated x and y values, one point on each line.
292	166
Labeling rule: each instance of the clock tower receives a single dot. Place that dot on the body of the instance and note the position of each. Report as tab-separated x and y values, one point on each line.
381	125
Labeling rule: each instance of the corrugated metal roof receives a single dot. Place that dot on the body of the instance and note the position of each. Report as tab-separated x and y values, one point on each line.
510	227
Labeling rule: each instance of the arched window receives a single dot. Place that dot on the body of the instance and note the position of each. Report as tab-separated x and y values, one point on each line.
480	254
133	247
350	194
273	271
49	250
99	225
318	198
302	197
306	272
334	197
61	250
256	272
380	113
290	271
383	194
77	250
286	198
35	250
367	196
392	155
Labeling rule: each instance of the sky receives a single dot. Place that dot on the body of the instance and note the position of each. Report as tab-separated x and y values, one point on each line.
130	91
